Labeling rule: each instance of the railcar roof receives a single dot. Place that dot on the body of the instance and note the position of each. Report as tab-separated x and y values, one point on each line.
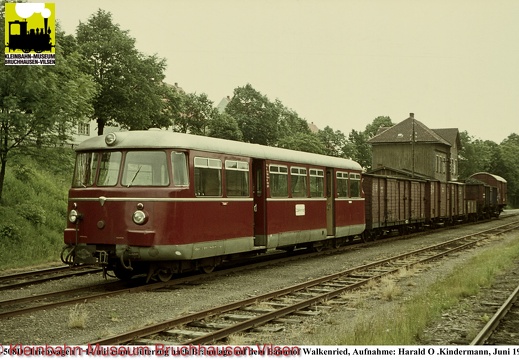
168	139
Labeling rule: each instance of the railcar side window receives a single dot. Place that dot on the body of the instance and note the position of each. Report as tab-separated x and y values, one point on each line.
342	184
208	177
298	181
145	168
354	185
84	174
109	168
180	172
316	183
237	178
278	181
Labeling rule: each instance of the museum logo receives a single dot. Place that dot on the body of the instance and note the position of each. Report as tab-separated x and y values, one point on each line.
30	34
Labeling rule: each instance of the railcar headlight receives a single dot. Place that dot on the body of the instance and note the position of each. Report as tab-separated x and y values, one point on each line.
73	216
139	217
110	139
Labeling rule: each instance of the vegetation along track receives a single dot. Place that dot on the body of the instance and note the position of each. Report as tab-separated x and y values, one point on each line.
17	280
502	328
218	323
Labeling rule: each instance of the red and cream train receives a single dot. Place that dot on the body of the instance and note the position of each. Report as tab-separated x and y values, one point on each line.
160	203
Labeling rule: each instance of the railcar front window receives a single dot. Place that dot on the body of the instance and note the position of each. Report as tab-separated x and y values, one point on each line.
109	168
180	172
85	171
145	168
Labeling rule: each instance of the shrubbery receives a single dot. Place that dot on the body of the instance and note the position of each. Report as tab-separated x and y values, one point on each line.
34	206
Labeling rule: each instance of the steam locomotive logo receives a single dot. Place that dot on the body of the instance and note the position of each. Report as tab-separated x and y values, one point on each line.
29	28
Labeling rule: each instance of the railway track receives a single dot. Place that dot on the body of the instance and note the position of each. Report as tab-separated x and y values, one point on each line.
503	327
268	310
18	280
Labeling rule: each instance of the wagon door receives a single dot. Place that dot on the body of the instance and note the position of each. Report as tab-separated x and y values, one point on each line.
259	194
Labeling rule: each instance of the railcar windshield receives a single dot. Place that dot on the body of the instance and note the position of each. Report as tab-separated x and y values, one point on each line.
145	168
88	164
140	168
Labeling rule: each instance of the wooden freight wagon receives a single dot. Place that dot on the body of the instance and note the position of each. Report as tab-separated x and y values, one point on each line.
497	182
457	201
393	203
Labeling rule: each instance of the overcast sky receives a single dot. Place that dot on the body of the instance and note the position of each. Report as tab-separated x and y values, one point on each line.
342	63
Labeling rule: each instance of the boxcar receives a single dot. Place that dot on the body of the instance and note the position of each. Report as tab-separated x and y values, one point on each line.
393	203
161	203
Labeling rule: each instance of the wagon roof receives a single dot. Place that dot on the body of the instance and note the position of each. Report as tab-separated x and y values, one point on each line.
167	139
497	177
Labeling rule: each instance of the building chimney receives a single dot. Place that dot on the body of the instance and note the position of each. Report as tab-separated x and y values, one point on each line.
411	115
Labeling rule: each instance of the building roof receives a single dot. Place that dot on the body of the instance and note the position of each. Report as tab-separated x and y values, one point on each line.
223	104
452	135
403	133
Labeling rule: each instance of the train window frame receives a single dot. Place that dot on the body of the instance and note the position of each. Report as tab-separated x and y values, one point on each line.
342	185
238	172
354	186
85	170
278	181
132	177
207	169
298	182
101	171
180	169
316	183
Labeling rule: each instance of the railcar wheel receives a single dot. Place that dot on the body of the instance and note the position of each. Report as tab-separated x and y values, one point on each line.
122	274
207	269
164	275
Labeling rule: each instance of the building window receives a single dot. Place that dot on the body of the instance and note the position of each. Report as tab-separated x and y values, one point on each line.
83	129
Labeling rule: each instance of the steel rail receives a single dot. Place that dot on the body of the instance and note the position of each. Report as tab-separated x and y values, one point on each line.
258	320
48	278
492	324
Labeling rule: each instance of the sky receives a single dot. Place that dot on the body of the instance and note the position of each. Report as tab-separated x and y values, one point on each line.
337	63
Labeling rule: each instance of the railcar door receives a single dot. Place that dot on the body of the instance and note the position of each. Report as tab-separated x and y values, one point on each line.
259	193
330	202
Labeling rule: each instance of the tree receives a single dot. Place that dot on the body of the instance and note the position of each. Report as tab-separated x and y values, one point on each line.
257	117
303	142
333	141
506	166
131	91
195	114
358	147
40	104
223	126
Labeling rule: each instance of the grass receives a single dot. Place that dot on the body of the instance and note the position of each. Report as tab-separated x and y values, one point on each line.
388	325
77	318
33	207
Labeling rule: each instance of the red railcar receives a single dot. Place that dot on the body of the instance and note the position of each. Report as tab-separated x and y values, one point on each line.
160	203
